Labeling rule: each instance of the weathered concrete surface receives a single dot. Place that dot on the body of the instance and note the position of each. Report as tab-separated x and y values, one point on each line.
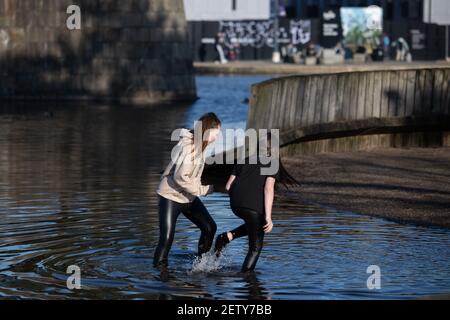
410	185
267	67
129	50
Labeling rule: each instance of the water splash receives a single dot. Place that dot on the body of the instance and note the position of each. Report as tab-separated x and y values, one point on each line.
208	262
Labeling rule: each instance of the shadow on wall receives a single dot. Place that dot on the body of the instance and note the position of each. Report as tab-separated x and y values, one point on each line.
133	51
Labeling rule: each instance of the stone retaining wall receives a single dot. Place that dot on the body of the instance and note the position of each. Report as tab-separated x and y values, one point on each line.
128	50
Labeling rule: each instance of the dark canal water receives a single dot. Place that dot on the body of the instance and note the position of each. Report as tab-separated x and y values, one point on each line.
77	187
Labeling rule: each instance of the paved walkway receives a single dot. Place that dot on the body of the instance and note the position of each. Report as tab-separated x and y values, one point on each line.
267	67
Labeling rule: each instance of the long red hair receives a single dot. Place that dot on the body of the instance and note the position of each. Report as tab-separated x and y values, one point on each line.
207	121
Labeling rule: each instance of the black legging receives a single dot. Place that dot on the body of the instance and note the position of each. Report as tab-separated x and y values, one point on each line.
168	213
253	227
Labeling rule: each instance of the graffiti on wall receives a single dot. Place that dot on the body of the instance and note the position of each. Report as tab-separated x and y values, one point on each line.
300	31
258	34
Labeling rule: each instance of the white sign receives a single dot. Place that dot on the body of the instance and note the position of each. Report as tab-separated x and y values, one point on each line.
417	39
436	11
330	29
217	10
361	20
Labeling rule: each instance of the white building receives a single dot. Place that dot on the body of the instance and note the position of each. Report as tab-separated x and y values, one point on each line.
220	10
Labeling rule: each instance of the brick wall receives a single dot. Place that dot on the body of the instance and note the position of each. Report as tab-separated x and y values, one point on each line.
127	50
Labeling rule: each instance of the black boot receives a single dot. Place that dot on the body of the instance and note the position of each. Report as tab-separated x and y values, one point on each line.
221	242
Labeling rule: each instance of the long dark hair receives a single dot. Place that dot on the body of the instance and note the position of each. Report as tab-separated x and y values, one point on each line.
283	175
208	121
286	179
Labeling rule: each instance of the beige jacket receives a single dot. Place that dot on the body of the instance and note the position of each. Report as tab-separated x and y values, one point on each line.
181	180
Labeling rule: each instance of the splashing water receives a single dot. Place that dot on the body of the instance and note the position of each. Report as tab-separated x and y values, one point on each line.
208	262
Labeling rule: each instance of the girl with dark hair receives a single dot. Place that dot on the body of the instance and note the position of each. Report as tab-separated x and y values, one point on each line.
180	188
251	199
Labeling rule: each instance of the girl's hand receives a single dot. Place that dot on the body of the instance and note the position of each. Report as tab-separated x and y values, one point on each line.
268	226
210	189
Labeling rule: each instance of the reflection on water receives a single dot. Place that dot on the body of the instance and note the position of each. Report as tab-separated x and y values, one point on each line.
77	188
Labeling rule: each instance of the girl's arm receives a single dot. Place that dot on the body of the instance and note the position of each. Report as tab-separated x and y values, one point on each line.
230	182
269	193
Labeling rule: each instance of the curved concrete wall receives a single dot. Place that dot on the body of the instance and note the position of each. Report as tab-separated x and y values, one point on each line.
128	50
355	110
